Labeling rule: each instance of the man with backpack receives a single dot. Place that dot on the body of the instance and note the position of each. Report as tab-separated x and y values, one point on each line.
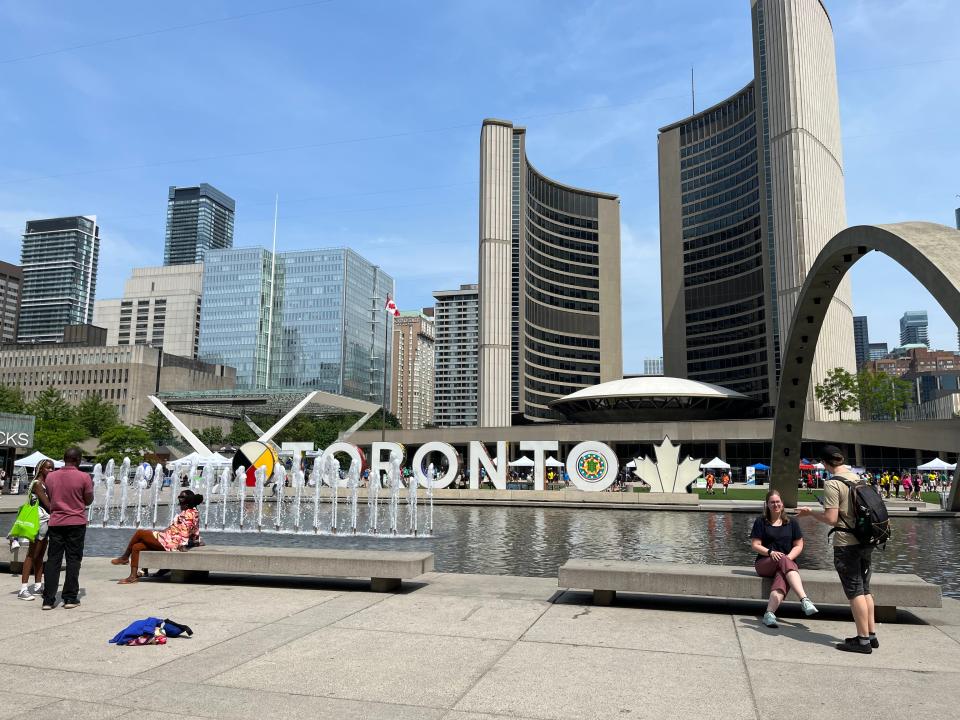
860	522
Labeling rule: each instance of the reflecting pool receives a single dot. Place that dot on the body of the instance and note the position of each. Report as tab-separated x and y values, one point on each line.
535	541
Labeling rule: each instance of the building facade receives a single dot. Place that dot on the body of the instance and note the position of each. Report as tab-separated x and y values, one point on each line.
310	319
121	376
913	328
160	307
199	218
653	366
59	264
751	189
549	284
861	339
413	369
11	286
456	335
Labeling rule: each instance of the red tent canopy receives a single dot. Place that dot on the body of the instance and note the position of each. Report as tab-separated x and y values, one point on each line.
806	466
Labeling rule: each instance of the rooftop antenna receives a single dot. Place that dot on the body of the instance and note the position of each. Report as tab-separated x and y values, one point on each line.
693	95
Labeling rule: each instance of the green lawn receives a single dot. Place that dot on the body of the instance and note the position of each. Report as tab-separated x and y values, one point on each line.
749	494
761	493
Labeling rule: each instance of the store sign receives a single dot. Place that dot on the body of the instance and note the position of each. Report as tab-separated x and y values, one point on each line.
16	431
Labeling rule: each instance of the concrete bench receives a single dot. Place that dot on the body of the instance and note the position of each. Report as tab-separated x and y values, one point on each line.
13	559
385	568
607	577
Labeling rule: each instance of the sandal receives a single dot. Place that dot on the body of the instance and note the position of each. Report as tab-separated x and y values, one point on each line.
128	581
119	561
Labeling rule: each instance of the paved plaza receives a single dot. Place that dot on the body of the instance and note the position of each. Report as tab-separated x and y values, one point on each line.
460	647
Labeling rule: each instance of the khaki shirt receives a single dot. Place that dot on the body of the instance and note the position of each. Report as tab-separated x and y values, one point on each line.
837	495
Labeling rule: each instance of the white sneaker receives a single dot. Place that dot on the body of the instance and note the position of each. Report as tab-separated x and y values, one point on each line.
14	544
24	595
37	588
769	619
808	607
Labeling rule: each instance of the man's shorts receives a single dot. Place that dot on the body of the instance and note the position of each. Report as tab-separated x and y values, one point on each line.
853	566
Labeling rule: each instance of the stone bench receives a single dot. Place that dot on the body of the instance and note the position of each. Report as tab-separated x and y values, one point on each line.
13	559
607	577
385	568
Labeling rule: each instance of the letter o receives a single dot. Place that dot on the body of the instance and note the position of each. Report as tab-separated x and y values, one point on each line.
592	466
445	449
350	449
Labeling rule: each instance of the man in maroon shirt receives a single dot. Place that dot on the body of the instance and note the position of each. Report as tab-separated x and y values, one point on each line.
69	492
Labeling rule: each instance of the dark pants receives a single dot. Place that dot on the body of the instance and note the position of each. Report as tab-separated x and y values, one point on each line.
63	539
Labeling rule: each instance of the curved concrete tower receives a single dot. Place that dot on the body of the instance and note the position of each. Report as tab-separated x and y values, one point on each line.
750	190
549	285
796	72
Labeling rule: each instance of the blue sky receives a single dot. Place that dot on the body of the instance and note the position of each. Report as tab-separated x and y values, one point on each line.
365	117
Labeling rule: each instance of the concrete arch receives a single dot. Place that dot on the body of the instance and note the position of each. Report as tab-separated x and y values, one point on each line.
930	252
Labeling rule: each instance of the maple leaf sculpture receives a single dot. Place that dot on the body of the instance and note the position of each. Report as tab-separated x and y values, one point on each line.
667	474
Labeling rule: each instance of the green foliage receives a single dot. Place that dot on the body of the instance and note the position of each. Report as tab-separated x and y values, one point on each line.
51	407
57	427
212	437
123	440
11	400
239	434
158	428
96	416
374	423
838	393
54	439
882	396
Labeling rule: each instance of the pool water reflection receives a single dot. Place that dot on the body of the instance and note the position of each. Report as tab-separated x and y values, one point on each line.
535	541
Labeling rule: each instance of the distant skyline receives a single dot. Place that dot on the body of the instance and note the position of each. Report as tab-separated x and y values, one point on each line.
365	118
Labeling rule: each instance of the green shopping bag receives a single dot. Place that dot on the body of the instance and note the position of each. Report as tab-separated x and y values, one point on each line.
27	524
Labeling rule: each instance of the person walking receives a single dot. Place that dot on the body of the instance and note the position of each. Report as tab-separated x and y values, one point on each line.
725	481
850	558
69	492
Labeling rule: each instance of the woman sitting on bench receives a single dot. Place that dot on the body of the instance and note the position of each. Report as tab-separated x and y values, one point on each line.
183	533
778	542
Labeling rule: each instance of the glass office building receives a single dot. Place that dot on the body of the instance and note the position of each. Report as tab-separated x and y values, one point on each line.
325	331
59	261
199	218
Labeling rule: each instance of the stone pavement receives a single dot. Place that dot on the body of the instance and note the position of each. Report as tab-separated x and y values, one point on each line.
460	647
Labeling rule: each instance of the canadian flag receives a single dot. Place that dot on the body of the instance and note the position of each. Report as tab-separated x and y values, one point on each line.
391	307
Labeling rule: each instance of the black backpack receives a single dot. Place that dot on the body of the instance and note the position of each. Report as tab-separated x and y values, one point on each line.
871	522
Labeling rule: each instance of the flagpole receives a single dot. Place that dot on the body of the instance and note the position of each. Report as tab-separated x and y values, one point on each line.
383	406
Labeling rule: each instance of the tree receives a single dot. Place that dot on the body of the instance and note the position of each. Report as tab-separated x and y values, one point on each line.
240	433
123	441
11	400
56	423
95	415
158	428
51	407
838	393
53	440
212	437
882	396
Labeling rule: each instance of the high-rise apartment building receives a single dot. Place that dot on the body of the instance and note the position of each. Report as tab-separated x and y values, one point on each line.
913	328
199	218
877	350
11	285
751	189
861	339
456	333
413	369
653	366
160	307
549	284
309	319
59	264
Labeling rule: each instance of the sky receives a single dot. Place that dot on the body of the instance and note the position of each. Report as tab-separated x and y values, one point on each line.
364	117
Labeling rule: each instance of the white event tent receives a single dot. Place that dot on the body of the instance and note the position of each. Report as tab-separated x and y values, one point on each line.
521	462
34	459
937	464
553	462
715	464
